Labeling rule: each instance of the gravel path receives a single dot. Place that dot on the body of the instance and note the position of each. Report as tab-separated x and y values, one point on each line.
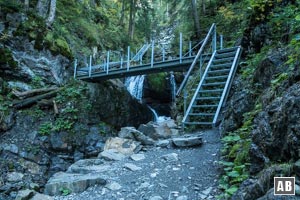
174	173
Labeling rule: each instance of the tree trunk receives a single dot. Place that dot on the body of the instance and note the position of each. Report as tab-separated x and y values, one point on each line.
121	22
42	7
26	5
51	13
131	19
196	19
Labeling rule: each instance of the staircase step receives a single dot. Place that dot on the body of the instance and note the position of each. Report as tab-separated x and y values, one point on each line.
201	114
218	66
214	84
225	54
218	71
232	49
208	98
197	123
211	91
215	77
205	106
222	60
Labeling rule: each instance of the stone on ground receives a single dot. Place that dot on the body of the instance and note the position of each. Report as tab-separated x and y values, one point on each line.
132	133
113	186
73	182
171	157
86	166
297	167
111	155
123	146
182	198
14	176
137	157
156	198
163	143
39	196
187	141
24	194
132	167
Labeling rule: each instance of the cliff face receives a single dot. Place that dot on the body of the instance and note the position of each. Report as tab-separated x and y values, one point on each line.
263	108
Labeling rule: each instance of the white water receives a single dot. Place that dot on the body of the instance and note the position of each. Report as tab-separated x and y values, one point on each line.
134	85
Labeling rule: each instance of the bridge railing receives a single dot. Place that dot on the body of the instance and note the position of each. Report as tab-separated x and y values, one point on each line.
147	54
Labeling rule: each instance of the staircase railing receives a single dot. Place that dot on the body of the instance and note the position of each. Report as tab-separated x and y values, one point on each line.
211	33
228	84
198	88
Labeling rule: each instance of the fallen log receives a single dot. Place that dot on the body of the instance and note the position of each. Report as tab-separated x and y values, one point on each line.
30	93
32	100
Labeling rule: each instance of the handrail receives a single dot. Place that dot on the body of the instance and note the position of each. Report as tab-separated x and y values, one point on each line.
198	88
228	83
212	28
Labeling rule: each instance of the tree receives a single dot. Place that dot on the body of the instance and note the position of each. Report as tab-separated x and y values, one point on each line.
131	18
51	12
196	18
42	7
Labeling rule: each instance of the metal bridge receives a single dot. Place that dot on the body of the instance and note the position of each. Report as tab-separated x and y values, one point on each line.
217	67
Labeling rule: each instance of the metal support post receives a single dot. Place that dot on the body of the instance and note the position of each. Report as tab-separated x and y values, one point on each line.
180	48
190	48
184	101
121	62
75	68
90	67
128	58
164	53
107	63
152	53
221	41
214	40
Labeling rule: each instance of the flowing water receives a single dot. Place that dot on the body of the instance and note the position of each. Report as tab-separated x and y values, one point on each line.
134	85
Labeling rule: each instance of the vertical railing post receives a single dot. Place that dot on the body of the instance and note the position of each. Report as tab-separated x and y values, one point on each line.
107	63
128	58
152	53
221	41
180	48
75	68
164	53
90	67
190	48
184	101
214	39
121	62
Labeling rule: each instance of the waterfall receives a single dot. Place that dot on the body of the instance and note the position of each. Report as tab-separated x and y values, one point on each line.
134	85
173	86
154	114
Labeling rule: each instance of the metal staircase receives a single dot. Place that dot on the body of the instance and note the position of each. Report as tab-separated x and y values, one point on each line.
139	55
213	88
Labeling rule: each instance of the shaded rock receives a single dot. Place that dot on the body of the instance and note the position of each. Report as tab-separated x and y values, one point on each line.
14	176
34	186
11	148
297	167
59	141
297	190
123	146
163	143
187	141
94	142
156	131
89	166
258	159
132	133
73	182
58	164
172	157
132	167
137	157
184	197
111	155
113	186
24	194
156	198
39	196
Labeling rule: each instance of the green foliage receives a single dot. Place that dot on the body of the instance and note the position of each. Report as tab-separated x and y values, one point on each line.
45	128
277	81
10	6
65	191
158	81
6	58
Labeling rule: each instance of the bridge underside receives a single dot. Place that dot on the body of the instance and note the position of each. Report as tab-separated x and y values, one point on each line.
172	65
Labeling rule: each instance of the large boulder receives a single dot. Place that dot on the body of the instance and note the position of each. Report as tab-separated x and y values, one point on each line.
132	133
123	146
72	182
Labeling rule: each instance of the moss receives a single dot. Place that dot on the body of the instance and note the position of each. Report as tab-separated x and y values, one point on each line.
6	58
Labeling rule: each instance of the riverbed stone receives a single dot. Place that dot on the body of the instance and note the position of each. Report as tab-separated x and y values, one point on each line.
123	146
163	143
14	177
187	141
132	167
171	157
86	166
39	196
111	155
137	157
73	182
24	194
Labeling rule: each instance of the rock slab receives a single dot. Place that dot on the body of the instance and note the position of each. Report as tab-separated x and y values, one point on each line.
187	141
73	182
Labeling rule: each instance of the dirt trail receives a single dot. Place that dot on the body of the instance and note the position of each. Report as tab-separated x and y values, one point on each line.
174	173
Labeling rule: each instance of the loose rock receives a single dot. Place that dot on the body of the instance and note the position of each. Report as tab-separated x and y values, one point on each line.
39	196
113	186
187	141
111	155
14	177
123	146
137	157
172	157
24	194
132	167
